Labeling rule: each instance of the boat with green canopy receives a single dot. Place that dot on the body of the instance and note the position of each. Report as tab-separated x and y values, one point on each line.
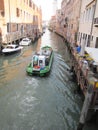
41	62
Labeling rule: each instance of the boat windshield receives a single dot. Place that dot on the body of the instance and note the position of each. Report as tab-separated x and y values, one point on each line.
10	47
25	40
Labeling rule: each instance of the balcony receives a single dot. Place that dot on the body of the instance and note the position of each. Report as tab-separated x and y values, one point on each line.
96	22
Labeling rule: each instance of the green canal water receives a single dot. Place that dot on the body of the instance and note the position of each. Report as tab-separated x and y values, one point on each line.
39	103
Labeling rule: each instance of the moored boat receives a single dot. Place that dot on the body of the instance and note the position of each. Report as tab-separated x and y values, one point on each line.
25	41
12	48
41	62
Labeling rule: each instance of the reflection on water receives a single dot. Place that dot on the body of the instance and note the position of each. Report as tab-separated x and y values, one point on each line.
38	103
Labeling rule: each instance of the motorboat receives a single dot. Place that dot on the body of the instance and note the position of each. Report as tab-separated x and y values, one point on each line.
41	62
25	42
11	48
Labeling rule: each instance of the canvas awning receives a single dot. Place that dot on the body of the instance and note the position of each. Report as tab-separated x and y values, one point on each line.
93	53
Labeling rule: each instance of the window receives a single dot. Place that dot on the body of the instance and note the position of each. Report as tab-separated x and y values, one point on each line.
84	16
88	41
30	3
96	45
8	27
24	14
88	14
92	11
27	1
17	27
17	12
21	13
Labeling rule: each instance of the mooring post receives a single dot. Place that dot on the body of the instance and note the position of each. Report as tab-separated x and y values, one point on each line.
85	107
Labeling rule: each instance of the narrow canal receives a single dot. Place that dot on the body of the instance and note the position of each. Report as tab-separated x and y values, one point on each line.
38	103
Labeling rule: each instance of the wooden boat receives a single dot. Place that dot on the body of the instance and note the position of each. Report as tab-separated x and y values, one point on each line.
41	62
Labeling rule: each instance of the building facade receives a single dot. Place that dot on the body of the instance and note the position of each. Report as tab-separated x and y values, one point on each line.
70	19
88	26
52	23
55	7
58	20
19	18
79	26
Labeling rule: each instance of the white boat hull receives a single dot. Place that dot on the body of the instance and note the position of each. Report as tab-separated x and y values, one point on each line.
9	51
